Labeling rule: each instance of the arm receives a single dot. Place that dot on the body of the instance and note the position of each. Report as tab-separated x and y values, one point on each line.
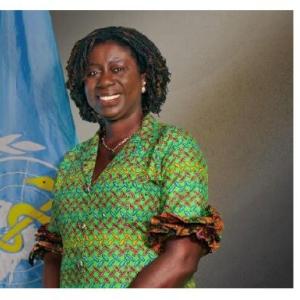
52	264
185	214
173	267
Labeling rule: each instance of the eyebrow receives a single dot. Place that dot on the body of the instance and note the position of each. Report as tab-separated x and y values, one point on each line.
114	60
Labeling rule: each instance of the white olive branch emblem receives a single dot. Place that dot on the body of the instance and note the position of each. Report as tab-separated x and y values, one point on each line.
8	144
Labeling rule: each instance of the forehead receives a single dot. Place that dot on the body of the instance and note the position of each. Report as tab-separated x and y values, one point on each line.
110	50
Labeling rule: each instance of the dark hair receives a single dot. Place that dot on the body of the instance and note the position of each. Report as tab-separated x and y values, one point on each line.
148	58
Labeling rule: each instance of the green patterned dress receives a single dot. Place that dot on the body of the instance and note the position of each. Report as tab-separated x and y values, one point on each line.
105	226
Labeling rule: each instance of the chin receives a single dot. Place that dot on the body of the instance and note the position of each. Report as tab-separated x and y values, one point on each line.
111	116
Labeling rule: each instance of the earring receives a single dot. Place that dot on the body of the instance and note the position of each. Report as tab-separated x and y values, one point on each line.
144	87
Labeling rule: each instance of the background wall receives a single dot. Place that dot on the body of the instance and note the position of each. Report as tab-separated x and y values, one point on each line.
232	89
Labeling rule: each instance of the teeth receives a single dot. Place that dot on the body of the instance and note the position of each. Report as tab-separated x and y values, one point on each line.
107	98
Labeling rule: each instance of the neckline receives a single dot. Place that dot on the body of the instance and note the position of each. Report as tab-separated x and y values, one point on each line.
91	163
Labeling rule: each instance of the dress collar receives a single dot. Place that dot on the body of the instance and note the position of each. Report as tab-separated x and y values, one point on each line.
138	140
144	132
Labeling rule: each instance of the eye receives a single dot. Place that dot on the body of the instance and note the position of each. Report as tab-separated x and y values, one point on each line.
92	73
117	69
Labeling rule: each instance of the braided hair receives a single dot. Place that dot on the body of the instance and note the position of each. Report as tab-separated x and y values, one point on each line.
148	58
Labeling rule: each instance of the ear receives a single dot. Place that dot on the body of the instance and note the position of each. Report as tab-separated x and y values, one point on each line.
143	78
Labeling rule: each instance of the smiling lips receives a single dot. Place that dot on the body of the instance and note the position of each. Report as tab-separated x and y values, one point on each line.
108	98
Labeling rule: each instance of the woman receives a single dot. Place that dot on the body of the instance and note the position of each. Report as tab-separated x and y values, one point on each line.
130	206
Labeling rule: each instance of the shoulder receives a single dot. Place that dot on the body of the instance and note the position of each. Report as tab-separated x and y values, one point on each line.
75	154
172	137
71	162
177	146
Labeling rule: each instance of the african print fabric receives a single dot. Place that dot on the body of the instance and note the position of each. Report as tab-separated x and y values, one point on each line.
104	227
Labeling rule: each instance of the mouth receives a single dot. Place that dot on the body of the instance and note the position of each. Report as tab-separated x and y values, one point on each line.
108	98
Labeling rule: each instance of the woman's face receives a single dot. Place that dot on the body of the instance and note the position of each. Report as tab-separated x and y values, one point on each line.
113	82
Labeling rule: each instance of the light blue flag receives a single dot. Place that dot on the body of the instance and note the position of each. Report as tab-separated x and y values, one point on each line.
36	129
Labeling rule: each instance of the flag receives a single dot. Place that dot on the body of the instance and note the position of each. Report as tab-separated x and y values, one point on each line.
36	129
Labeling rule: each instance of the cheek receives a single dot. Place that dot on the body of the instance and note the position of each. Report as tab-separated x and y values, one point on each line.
88	94
133	86
87	88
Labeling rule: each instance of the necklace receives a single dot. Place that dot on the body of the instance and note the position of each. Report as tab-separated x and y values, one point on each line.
113	150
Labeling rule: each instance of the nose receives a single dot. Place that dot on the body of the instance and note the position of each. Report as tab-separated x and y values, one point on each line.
105	80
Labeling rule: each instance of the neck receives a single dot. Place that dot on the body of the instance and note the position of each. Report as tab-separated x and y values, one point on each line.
115	131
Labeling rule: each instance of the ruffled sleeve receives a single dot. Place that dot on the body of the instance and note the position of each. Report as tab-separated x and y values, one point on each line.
207	230
46	241
185	209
